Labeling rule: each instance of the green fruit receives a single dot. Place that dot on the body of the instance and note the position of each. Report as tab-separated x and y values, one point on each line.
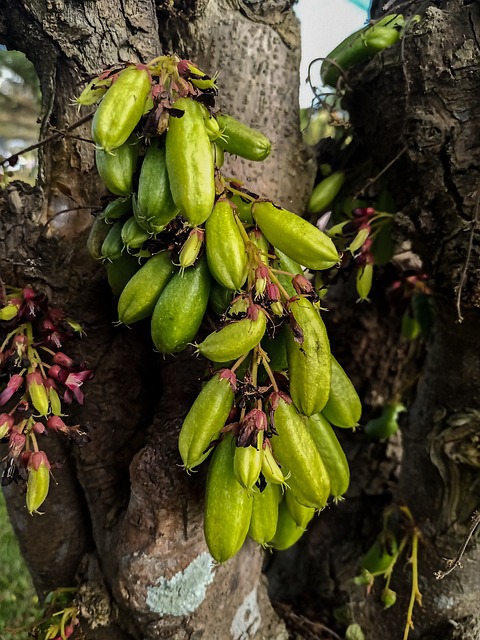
234	340
133	236
98	233
299	512
308	355
296	237
325	192
120	272
206	417
360	47
225	248
141	293
153	204
112	246
121	108
263	523
116	168
228	507
241	140
288	532
343	408
179	311
117	209
295	449
189	162
331	453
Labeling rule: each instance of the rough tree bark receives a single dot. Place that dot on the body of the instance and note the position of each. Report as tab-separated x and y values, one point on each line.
123	518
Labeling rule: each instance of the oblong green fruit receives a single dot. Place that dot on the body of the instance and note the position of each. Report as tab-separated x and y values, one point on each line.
276	349
116	168
257	238
117	209
190	163
112	246
332	454
220	298
133	235
288	532
154	207
141	293
343	408
206	417
225	247
96	237
299	512
309	358
120	272
263	523
180	309
234	340
355	48
295	236
121	108
296	451
248	464
228	507
323	194
241	140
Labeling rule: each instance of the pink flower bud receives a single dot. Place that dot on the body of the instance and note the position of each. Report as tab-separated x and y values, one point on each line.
302	285
12	387
57	373
39	428
55	423
16	443
65	361
38	459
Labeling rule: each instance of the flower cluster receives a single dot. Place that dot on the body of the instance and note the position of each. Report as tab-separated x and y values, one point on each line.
37	380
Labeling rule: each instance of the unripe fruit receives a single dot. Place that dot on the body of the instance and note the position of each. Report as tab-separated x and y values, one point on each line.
189	162
141	293
206	417
343	408
180	309
121	108
225	248
296	237
308	355
228	507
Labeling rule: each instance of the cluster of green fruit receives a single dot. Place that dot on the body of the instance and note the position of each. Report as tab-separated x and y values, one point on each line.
180	239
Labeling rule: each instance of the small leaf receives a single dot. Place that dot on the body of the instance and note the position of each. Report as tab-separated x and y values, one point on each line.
354	632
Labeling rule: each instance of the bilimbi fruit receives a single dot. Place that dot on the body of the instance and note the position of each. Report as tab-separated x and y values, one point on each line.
180	240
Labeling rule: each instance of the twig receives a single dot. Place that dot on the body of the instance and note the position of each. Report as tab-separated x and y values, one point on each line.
457	561
371	181
415	595
48	139
467	259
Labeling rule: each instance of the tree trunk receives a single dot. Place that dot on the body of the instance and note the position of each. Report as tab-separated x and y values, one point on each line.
125	520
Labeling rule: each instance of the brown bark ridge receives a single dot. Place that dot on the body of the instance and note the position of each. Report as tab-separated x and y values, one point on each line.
422	95
122	503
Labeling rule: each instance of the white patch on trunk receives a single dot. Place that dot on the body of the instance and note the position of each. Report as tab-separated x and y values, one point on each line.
247	619
185	591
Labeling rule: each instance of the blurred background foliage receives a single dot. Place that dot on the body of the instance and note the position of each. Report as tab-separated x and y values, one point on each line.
20	101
